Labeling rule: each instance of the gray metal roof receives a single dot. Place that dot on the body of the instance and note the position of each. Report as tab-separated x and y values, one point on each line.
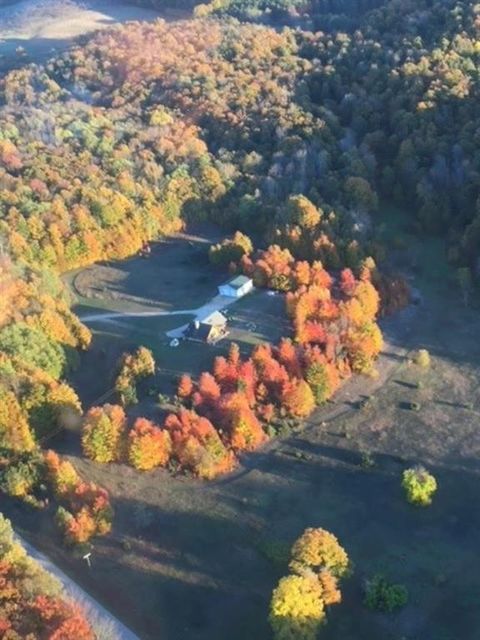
238	281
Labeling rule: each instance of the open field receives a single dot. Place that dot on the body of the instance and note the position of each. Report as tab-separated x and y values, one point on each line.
190	560
176	276
112	338
44	27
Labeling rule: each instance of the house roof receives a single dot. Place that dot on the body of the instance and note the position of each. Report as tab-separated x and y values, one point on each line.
202	333
238	282
215	319
202	329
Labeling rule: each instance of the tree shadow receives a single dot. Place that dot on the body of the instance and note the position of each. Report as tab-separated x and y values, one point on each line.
406	385
197	560
190	281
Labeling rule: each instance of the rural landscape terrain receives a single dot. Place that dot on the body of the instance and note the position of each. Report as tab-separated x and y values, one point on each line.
239	316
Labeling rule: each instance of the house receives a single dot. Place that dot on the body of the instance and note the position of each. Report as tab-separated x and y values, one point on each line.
236	287
209	329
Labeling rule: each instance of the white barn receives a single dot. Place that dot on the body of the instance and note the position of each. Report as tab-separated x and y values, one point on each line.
236	287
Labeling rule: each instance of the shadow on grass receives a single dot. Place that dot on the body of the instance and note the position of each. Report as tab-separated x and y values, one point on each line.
407	385
190	560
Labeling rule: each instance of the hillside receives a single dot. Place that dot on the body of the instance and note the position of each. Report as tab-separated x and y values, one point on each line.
318	146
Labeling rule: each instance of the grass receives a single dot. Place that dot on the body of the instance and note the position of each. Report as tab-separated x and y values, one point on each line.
177	275
204	562
111	339
215	546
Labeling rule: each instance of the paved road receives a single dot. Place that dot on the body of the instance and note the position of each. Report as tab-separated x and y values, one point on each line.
109	626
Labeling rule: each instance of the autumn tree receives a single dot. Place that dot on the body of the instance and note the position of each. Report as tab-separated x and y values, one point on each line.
32	601
103	430
62	620
318	549
15	433
133	367
298	605
240	423
300	210
318	379
298	398
33	347
347	282
208	391
61	474
231	250
197	445
148	446
419	485
297	608
185	387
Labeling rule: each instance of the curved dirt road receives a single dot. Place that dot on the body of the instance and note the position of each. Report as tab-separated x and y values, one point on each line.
99	616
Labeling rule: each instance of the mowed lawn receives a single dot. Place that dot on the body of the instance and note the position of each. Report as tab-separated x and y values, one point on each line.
176	275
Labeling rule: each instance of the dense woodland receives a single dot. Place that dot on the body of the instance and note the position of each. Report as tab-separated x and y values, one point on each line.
306	14
249	115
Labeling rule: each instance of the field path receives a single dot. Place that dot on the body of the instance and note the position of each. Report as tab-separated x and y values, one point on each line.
96	613
217	303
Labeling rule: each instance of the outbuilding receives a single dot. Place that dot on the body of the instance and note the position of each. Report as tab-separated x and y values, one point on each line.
236	287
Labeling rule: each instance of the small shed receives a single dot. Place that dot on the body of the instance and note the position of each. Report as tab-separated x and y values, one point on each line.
209	329
236	287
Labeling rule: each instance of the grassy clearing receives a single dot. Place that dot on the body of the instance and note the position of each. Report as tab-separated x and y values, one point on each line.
219	548
199	561
257	318
177	275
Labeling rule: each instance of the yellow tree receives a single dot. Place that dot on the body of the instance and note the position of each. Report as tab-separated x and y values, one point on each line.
103	429
297	609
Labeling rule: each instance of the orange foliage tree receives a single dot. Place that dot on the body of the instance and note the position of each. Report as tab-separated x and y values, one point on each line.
243	430
298	398
32	603
197	445
60	620
185	387
85	509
